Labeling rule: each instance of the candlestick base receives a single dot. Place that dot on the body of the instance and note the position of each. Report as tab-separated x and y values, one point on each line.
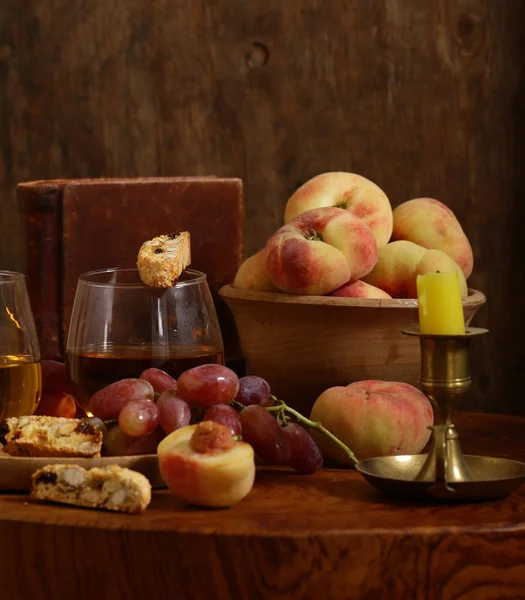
444	473
397	476
445	461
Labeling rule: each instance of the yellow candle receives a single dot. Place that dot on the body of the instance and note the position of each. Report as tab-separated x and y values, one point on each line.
440	305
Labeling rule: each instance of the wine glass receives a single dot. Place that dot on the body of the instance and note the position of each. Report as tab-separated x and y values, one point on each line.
20	371
120	327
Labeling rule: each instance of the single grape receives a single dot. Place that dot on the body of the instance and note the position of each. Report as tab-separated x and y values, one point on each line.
225	415
117	443
264	434
174	412
53	376
159	380
253	390
305	455
207	385
139	417
96	423
108	402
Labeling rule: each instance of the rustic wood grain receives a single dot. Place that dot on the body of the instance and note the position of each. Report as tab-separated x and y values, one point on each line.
425	98
329	536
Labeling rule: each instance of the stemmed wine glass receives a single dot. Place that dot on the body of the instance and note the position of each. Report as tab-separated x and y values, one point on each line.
20	370
120	327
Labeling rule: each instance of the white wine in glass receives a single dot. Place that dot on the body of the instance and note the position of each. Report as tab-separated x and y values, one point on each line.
20	371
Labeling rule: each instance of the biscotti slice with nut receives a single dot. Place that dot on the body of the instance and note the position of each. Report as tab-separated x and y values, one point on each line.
162	259
50	436
111	488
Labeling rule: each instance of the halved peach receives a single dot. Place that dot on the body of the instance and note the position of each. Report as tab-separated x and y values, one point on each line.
203	465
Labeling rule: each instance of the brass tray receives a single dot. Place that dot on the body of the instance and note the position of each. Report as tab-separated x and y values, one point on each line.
493	478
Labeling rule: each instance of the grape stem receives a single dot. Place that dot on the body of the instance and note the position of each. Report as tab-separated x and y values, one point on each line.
282	408
237	405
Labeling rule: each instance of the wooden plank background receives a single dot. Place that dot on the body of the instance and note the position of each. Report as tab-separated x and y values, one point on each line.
425	98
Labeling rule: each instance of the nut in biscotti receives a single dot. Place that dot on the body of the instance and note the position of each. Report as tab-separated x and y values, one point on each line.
162	259
110	488
50	436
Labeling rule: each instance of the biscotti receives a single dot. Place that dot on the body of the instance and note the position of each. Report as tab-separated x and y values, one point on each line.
50	436
110	488
162	260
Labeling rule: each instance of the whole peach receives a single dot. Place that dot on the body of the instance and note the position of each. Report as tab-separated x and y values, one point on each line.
319	251
373	418
399	263
431	224
252	274
349	191
434	261
359	289
395	269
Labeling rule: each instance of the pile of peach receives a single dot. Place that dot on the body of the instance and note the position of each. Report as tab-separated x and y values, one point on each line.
342	238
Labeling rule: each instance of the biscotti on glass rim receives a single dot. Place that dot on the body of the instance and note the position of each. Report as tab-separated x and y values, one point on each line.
162	260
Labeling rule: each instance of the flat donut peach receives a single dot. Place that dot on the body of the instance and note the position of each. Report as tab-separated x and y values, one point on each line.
431	224
349	191
319	251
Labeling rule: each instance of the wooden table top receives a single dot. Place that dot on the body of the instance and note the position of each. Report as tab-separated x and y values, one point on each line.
295	536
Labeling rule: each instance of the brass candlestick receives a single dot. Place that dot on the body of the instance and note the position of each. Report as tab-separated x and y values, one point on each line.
444	473
445	379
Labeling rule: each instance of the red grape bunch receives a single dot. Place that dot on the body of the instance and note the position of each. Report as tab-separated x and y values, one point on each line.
142	411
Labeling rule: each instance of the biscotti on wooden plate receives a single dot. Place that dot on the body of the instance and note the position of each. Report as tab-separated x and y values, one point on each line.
50	436
110	488
162	260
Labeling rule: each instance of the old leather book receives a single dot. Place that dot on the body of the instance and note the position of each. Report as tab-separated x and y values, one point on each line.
74	226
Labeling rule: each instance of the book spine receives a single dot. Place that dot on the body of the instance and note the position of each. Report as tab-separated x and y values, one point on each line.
40	205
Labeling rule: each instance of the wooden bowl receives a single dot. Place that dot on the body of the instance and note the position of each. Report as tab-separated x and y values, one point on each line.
303	345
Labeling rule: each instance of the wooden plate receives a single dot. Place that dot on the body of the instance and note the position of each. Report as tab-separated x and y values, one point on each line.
15	472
